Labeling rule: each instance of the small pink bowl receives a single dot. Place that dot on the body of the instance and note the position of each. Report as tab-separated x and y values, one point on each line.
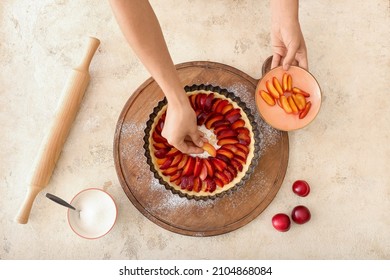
275	116
97	215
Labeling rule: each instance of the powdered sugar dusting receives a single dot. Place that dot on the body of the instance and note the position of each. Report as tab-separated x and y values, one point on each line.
245	94
238	198
154	184
269	136
132	134
131	128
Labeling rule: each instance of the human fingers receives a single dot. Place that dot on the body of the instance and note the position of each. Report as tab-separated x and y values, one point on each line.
188	147
188	139
275	60
290	57
197	138
192	143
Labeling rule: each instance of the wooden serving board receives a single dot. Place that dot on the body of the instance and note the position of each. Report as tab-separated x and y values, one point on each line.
181	215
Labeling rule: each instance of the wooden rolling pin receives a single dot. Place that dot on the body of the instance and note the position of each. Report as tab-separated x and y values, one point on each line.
54	140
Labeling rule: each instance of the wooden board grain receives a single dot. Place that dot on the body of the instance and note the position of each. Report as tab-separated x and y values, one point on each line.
191	217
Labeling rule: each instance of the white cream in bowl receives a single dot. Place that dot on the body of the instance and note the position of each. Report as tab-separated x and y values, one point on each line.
97	213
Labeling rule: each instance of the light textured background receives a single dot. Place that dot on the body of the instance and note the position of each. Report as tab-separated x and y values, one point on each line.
344	154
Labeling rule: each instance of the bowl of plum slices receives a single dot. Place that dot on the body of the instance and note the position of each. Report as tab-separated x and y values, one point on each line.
288	100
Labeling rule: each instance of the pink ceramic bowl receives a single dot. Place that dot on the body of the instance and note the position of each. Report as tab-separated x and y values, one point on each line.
275	115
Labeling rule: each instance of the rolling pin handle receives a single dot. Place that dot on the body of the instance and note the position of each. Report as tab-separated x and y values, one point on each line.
24	212
92	45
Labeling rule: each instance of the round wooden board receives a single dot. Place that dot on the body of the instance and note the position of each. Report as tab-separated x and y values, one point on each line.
191	217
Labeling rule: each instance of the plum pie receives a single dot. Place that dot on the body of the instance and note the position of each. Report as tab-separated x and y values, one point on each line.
229	157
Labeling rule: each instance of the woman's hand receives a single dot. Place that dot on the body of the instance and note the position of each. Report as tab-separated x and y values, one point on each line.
181	130
288	44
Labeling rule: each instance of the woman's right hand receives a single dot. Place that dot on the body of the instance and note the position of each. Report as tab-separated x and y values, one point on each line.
180	128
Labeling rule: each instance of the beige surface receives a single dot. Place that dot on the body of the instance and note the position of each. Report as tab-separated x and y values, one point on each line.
344	154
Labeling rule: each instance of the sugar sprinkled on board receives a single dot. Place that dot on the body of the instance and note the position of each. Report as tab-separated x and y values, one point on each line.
246	95
174	203
243	194
155	184
131	128
132	134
